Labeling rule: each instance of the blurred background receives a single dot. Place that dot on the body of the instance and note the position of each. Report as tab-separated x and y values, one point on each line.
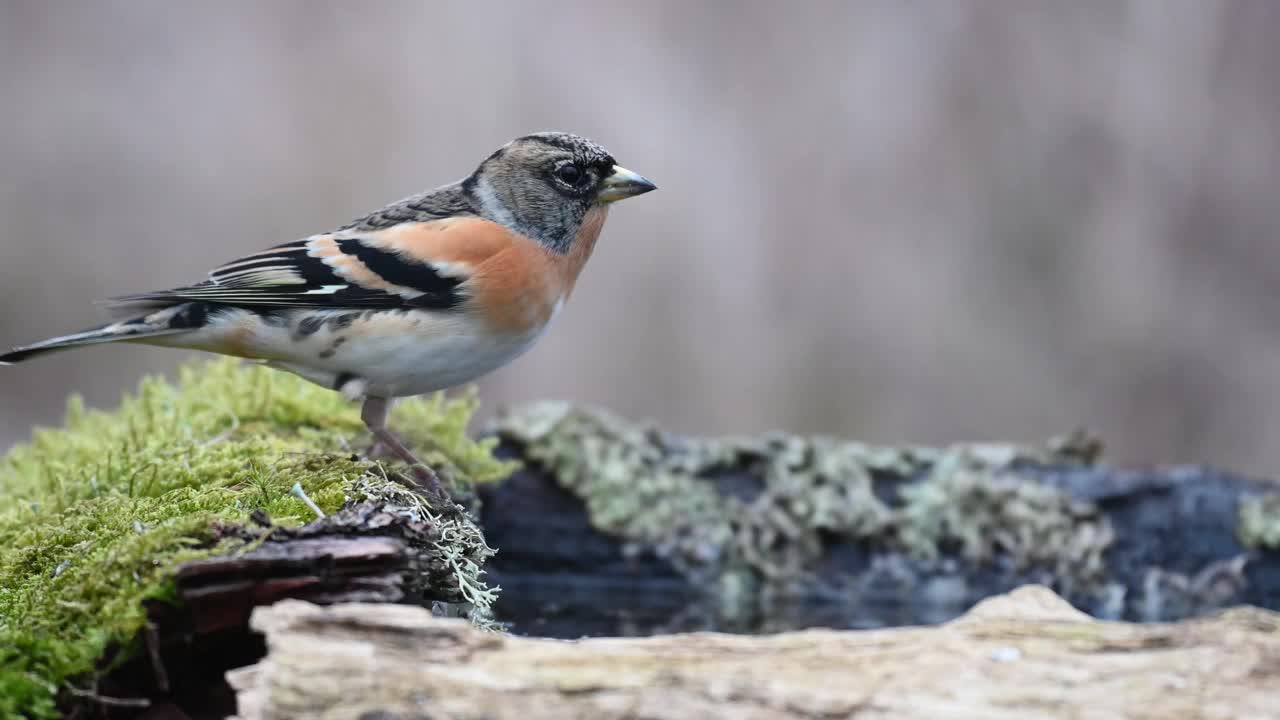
891	220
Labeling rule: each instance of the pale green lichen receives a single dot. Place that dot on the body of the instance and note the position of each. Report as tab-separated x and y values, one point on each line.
632	487
660	492
98	514
970	504
1259	521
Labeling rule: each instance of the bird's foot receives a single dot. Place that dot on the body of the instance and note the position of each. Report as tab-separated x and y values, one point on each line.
428	480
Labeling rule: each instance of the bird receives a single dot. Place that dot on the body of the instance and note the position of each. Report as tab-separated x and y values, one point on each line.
424	294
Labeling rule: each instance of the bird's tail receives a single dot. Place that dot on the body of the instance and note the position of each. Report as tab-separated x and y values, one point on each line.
166	321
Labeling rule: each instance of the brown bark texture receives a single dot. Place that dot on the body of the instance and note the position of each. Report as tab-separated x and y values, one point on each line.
1024	654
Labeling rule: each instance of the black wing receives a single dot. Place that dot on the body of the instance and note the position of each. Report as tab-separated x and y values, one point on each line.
355	274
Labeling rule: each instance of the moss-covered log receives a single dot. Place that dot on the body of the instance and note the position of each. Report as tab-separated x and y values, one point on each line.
1027	654
616	527
133	544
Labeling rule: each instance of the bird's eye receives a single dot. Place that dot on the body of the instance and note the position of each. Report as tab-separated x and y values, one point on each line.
569	174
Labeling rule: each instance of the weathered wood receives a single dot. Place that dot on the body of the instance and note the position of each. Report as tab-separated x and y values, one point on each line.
220	592
369	552
1025	654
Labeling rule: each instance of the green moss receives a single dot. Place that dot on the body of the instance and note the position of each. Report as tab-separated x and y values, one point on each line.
1259	521
98	514
661	492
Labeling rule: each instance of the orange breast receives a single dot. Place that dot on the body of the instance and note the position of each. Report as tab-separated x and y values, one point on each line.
524	284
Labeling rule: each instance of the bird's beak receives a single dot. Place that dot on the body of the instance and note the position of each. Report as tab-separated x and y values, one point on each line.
622	184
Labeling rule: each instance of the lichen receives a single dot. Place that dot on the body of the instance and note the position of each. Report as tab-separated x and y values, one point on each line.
664	493
971	504
99	513
633	486
1259	524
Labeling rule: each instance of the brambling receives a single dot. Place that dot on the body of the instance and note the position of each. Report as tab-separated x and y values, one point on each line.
425	294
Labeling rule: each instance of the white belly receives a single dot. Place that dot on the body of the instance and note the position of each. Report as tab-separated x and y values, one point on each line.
396	353
448	354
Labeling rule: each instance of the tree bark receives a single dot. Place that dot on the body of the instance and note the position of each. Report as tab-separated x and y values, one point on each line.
1025	654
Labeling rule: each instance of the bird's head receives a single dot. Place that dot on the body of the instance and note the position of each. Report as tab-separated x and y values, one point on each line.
543	185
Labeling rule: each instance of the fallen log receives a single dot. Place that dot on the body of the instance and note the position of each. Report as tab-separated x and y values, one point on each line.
1025	654
616	527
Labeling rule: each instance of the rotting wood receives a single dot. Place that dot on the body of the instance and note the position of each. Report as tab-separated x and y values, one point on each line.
220	592
1024	654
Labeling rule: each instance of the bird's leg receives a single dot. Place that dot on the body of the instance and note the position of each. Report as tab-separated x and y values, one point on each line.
374	414
377	449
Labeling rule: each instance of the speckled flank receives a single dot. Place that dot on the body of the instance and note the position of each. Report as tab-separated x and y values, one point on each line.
307	326
340	321
333	347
